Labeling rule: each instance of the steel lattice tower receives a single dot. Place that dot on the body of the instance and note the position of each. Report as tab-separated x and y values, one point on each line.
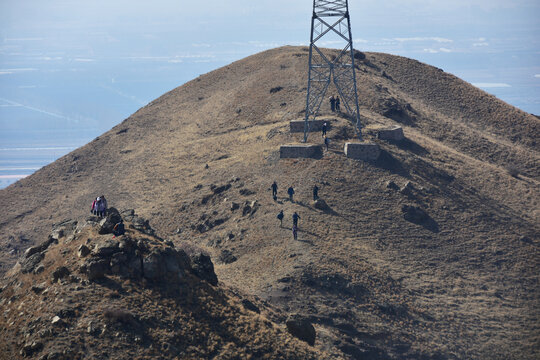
322	69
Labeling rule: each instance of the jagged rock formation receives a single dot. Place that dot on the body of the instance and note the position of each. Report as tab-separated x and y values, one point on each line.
126	297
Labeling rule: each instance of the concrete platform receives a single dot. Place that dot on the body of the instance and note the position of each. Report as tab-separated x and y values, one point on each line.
293	151
362	151
394	133
316	125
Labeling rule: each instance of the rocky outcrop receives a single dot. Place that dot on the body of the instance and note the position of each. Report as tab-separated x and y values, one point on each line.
301	328
106	225
202	266
414	214
149	259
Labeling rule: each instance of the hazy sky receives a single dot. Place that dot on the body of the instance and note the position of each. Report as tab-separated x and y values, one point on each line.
70	70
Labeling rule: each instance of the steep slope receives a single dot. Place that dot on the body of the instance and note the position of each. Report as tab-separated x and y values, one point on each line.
84	294
462	283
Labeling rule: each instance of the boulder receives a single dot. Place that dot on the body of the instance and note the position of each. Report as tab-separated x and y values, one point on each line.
60	273
83	251
250	207
301	328
40	248
106	248
250	306
414	214
106	225
30	349
392	185
202	266
227	257
321	205
30	263
95	268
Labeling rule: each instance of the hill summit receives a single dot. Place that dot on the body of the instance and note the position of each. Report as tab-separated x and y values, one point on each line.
430	252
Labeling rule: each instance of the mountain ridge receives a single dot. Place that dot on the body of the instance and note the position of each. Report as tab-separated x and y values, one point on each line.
390	281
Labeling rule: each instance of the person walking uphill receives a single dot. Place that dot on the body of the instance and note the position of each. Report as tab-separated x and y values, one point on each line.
280	218
290	191
332	103
295	218
338	104
274	191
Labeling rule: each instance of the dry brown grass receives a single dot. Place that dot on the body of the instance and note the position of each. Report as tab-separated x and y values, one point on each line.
462	287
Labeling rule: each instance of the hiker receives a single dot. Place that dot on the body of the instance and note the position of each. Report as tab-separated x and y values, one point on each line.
99	206
324	129
290	191
280	218
119	229
274	191
332	103
315	192
295	232
326	142
104	202
338	109
295	218
93	209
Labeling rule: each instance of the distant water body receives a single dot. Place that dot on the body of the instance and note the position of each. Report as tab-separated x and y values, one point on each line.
19	162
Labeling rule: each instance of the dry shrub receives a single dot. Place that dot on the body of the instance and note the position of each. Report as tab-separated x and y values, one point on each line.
119	315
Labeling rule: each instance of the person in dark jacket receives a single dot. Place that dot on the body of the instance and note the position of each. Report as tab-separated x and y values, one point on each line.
280	218
295	218
315	192
332	103
274	191
290	191
324	130
119	229
338	104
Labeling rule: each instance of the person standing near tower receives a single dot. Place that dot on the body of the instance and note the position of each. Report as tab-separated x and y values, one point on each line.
274	191
338	103
290	191
332	103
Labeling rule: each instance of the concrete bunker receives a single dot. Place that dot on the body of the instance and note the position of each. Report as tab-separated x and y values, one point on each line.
293	151
394	133
362	151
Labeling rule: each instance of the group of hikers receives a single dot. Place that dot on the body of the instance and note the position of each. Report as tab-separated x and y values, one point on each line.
99	208
335	103
295	216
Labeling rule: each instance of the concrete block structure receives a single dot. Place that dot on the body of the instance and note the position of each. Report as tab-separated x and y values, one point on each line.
362	151
300	151
315	125
394	133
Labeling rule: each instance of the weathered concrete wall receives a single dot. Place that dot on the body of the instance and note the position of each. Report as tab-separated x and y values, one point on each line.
362	151
316	125
394	133
300	151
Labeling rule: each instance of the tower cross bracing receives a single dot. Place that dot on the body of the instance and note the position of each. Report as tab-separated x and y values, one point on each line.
331	18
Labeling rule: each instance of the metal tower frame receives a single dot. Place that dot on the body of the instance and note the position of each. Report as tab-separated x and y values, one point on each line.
323	69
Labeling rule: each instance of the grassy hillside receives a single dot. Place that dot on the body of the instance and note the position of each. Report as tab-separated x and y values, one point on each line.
461	284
